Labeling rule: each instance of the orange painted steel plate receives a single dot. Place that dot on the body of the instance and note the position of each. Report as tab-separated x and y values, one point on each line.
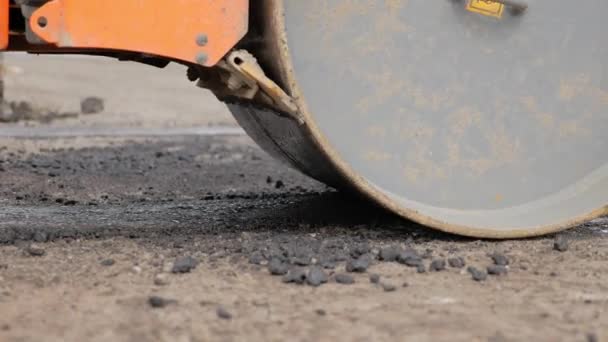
3	24
199	31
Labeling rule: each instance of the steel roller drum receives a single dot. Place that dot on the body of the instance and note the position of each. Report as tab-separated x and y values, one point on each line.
486	124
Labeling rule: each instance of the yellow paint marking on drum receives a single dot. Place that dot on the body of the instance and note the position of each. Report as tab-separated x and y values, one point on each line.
486	7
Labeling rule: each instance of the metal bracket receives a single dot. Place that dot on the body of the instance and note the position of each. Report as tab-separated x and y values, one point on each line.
247	80
4	19
196	31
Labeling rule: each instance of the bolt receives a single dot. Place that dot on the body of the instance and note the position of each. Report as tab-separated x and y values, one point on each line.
42	22
201	39
201	58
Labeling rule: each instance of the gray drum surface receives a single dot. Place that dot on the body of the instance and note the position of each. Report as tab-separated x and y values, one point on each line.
474	124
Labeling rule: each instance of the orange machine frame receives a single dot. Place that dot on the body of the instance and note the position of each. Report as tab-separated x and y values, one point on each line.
3	24
196	31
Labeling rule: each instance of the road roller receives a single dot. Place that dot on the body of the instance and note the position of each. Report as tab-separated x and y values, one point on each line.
484	118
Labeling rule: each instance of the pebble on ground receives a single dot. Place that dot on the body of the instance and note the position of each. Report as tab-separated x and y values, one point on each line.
476	274
92	105
184	265
390	253
437	265
223	313
342	278
497	270
277	267
500	259
456	262
410	258
107	262
295	275
316	276
359	265
161	279
160	302
388	287
374	278
560	244
256	258
34	250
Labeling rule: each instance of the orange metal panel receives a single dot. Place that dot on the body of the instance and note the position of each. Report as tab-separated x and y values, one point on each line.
3	24
199	31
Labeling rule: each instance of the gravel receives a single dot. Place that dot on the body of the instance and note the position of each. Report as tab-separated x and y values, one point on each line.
497	270
296	275
184	265
316	276
437	265
256	258
476	274
346	279
40	236
359	249
330	265
161	279
160	302
223	313
410	257
390	253
277	267
35	250
359	265
15	111
500	259
388	287
592	337
374	278
257	222
561	244
107	262
456	262
301	260
91	105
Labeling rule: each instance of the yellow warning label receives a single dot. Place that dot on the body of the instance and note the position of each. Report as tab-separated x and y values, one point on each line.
486	7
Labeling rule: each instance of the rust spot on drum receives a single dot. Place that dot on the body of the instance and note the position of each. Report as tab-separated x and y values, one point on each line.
558	127
333	16
502	149
388	30
581	85
387	87
571	128
377	156
377	131
462	119
415	130
545	119
395	5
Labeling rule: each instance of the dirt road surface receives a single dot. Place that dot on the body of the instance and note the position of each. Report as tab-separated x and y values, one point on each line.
153	228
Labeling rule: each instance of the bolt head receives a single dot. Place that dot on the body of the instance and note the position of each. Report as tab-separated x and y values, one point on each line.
202	39
201	58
